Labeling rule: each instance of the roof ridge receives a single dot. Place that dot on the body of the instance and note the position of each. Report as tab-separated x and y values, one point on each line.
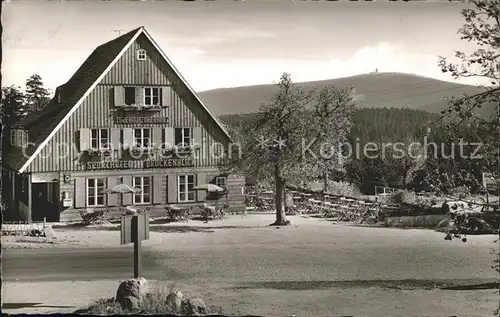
84	81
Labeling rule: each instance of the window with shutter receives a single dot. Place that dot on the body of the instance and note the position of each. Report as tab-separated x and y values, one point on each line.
151	96
127	198
200	180
18	137
99	139
119	96
169	137
185	188
172	188
183	136
157	189
130	95
80	192
84	139
95	192
112	197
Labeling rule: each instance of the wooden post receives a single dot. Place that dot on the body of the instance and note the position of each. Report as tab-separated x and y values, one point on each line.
136	231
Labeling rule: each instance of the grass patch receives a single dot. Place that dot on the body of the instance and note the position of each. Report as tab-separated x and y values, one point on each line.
153	304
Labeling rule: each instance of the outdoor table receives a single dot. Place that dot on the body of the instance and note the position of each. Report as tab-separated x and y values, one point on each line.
177	212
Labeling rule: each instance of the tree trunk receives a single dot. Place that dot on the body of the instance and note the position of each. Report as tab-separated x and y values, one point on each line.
279	194
325	176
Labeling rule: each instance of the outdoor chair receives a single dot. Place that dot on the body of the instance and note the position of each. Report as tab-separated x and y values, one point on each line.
91	216
207	211
86	216
177	213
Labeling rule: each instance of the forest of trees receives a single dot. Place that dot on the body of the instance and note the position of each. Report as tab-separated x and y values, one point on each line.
391	125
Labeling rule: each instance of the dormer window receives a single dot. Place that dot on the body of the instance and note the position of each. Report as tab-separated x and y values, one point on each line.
18	137
141	55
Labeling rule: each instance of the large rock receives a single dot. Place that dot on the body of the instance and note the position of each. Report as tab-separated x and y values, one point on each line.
174	302
194	307
177	303
131	293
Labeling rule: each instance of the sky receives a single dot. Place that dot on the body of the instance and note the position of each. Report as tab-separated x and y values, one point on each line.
220	44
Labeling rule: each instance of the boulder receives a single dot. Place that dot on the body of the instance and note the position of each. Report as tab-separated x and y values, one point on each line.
131	293
174	302
194	307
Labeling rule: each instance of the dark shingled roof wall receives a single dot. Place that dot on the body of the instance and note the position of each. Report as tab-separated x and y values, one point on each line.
71	91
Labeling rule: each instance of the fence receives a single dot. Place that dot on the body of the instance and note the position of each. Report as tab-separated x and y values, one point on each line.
382	191
23	228
340	208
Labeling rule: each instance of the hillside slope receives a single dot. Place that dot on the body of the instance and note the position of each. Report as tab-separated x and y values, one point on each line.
373	90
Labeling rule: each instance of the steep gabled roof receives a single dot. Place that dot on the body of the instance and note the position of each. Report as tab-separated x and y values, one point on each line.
90	73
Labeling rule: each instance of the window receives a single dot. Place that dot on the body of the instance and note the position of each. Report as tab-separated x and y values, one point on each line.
99	139
129	95
151	96
13	137
186	188
144	184
141	55
183	136
59	97
142	137
95	192
18	137
220	181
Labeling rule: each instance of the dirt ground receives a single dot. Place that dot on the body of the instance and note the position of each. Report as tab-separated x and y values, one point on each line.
264	302
68	296
74	235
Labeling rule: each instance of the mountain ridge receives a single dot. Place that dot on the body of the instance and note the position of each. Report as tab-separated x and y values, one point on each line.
398	90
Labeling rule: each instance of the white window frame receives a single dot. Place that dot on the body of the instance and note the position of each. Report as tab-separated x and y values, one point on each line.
142	138
141	186
218	178
141	55
18	137
183	136
151	91
99	139
96	192
13	137
185	182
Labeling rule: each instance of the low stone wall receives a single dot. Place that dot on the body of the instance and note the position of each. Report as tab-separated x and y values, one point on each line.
425	221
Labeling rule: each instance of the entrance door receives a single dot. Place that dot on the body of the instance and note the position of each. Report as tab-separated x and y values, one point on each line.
45	201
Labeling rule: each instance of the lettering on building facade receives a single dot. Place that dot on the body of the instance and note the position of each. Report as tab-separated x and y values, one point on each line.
140	120
166	163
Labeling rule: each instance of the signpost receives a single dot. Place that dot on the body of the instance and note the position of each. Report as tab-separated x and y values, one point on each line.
135	228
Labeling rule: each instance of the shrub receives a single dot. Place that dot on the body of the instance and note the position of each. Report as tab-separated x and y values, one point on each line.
343	189
403	197
461	192
153	304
